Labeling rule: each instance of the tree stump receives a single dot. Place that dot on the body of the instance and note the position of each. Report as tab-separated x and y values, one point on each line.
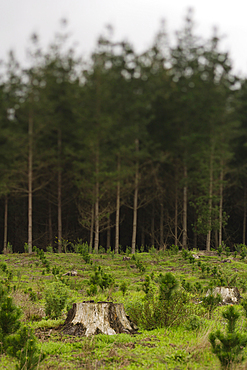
90	318
228	295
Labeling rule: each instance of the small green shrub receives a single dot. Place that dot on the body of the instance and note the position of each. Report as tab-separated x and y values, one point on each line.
174	249
123	287
210	302
9	248
101	250
139	266
229	346
167	285
26	248
220	250
55	270
146	284
185	254
244	305
194	323
17	340
56	295
49	249
92	290
102	279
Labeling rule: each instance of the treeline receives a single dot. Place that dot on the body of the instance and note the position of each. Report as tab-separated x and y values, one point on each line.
124	148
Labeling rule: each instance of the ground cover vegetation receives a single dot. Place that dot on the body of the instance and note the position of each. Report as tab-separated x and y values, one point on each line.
123	148
179	327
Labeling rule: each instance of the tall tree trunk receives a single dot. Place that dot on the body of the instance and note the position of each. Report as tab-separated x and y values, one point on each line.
216	239
30	182
244	218
161	225
133	248
176	210
117	209
221	204
50	224
5	237
152	226
210	201
59	191
91	229
96	238
108	234
185	196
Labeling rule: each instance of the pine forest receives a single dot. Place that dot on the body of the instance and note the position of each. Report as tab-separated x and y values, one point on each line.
123	149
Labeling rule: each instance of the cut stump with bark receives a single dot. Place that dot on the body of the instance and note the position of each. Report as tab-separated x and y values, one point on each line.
90	318
228	295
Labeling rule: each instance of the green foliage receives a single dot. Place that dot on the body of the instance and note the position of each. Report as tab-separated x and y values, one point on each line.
26	248
9	317
139	266
101	249
210	302
123	287
55	270
187	285
24	347
92	290
49	249
9	248
128	251
156	313
32	295
17	340
146	284
3	266
228	251
102	279
229	346
185	254
174	249
243	253
84	251
167	285
244	305
220	250
56	295
194	323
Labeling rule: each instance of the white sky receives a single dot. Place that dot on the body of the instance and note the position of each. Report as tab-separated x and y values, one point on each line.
134	20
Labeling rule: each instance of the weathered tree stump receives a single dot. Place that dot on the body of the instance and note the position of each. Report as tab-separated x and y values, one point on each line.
90	318
228	295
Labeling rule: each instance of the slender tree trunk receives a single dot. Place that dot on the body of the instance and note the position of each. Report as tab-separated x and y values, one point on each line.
135	201
108	234
185	196
195	240
5	238
59	192
221	204
152	226
161	225
96	238
91	229
30	182
210	201
176	211
244	218
50	224
216	239
143	230
117	209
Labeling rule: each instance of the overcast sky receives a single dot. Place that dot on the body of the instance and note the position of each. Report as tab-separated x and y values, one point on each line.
134	20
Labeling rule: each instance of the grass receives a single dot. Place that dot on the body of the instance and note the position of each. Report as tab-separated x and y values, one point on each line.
174	347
